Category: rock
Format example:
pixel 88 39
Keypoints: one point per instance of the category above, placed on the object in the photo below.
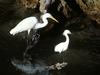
pixel 91 8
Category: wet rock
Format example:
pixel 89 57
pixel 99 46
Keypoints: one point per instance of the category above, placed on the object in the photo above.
pixel 91 8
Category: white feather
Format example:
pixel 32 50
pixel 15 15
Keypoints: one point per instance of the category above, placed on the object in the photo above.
pixel 63 46
pixel 24 25
pixel 31 23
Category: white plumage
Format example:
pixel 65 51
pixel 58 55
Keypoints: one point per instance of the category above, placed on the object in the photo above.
pixel 31 23
pixel 63 45
pixel 24 25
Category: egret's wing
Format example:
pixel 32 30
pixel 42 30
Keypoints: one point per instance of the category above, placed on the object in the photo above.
pixel 27 23
pixel 59 47
pixel 24 25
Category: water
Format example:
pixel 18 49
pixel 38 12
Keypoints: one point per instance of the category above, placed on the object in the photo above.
pixel 83 55
pixel 29 68
pixel 36 68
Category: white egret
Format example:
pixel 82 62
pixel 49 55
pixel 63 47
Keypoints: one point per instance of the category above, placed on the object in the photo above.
pixel 63 45
pixel 31 23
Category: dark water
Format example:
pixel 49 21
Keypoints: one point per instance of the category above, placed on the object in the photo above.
pixel 83 55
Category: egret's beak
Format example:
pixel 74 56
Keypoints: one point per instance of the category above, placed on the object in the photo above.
pixel 54 19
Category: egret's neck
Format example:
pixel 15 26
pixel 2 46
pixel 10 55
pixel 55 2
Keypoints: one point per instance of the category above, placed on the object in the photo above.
pixel 41 25
pixel 67 38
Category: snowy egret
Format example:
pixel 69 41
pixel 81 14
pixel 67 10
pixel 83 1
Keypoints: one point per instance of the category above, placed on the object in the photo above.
pixel 31 23
pixel 63 45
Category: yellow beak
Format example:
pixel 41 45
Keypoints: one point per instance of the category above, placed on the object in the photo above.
pixel 54 19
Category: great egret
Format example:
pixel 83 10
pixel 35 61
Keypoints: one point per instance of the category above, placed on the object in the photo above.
pixel 63 45
pixel 31 23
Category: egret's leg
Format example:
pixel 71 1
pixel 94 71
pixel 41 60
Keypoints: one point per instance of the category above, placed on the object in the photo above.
pixel 27 47
pixel 28 42
pixel 61 55
pixel 31 41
